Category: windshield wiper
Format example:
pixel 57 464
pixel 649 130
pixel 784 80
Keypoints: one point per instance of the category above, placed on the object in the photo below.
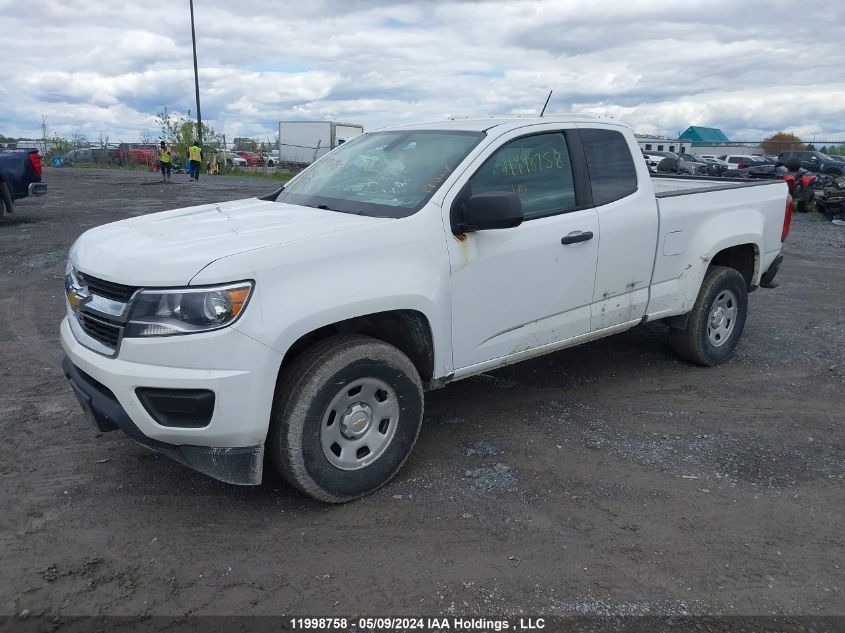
pixel 326 207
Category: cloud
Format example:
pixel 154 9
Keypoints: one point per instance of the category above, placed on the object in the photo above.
pixel 99 66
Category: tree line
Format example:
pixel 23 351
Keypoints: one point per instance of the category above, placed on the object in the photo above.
pixel 783 141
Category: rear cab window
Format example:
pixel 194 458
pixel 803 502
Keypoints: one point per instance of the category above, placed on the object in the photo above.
pixel 611 167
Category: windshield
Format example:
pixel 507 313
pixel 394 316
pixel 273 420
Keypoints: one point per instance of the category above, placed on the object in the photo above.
pixel 382 174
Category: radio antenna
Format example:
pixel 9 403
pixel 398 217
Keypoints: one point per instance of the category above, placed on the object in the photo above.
pixel 545 104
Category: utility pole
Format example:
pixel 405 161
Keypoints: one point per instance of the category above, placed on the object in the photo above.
pixel 196 76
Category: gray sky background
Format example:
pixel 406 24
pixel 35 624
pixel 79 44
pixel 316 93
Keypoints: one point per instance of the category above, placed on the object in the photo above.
pixel 750 68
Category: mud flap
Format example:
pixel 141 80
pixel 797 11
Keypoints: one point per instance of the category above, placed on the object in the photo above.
pixel 768 278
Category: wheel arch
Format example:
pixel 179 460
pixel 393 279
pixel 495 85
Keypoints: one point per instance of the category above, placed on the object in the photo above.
pixel 408 330
pixel 744 258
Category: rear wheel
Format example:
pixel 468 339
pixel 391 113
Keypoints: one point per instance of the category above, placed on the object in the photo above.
pixel 346 416
pixel 716 320
pixel 5 199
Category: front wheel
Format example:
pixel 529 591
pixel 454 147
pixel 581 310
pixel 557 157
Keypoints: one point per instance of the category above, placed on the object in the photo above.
pixel 346 416
pixel 716 320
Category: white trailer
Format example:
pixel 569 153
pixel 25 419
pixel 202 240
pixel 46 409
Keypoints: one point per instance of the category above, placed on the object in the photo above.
pixel 306 141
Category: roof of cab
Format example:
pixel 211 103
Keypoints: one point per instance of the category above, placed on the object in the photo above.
pixel 483 124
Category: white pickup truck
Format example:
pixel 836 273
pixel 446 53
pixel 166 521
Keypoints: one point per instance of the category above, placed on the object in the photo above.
pixel 307 324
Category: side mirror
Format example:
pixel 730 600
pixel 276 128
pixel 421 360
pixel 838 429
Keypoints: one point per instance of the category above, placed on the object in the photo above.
pixel 489 210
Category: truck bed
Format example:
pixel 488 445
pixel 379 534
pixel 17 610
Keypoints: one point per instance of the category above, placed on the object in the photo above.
pixel 668 186
pixel 749 211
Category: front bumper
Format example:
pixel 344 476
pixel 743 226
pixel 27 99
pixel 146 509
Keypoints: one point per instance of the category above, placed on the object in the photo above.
pixel 237 370
pixel 241 466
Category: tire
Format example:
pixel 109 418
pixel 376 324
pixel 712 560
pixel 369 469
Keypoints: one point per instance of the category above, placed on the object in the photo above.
pixel 309 438
pixel 698 343
pixel 5 199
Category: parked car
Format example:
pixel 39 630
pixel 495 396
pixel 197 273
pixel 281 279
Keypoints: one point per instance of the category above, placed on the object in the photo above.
pixel 712 160
pixel 837 158
pixel 271 159
pixel 653 160
pixel 712 166
pixel 687 164
pixel 814 161
pixel 740 161
pixel 253 159
pixel 20 176
pixel 764 170
pixel 81 155
pixel 664 154
pixel 306 324
pixel 230 159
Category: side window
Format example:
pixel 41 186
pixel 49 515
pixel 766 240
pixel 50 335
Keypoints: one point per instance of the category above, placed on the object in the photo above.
pixel 612 172
pixel 535 168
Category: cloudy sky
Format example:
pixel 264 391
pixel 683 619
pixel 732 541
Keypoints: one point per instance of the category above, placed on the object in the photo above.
pixel 750 68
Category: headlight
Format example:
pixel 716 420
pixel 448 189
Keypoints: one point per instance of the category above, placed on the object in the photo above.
pixel 187 310
pixel 71 286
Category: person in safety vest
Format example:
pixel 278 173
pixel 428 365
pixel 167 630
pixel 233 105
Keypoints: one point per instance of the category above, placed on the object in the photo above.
pixel 195 156
pixel 164 151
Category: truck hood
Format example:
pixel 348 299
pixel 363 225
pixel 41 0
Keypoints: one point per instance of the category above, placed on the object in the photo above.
pixel 170 248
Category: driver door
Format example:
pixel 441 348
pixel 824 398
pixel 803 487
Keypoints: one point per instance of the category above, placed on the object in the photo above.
pixel 519 289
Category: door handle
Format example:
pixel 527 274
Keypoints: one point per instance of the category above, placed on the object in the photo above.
pixel 574 238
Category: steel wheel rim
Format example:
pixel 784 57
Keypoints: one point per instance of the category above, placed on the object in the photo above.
pixel 722 318
pixel 359 423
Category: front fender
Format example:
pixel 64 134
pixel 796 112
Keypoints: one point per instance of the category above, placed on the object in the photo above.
pixel 304 285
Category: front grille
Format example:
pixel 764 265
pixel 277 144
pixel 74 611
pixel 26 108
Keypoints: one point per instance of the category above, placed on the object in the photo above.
pixel 107 289
pixel 99 329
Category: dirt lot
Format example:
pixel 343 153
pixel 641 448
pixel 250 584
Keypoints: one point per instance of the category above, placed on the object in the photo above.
pixel 607 479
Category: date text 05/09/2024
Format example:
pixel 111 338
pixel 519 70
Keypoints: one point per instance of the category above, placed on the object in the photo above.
pixel 477 624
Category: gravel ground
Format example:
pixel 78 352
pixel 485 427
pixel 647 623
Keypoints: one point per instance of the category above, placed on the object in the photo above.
pixel 611 479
